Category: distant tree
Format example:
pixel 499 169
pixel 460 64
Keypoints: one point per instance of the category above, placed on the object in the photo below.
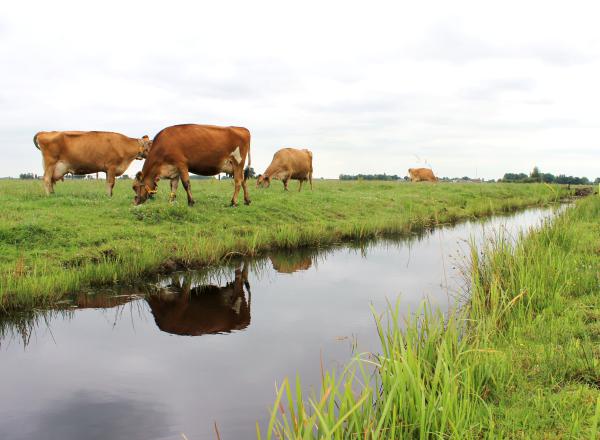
pixel 28 176
pixel 383 176
pixel 514 177
pixel 535 174
pixel 547 177
pixel 124 177
pixel 597 181
pixel 251 173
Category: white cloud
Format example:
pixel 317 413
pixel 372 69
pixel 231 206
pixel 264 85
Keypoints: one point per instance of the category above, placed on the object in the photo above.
pixel 464 85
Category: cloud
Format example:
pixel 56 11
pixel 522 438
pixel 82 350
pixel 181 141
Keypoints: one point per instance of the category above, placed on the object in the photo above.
pixel 356 85
pixel 448 44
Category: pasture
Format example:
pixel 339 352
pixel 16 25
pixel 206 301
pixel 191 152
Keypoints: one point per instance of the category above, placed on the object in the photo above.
pixel 79 237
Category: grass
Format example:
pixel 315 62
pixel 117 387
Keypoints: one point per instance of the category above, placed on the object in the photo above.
pixel 79 237
pixel 520 360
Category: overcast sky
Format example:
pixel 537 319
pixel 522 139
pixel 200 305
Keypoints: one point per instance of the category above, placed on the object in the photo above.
pixel 464 87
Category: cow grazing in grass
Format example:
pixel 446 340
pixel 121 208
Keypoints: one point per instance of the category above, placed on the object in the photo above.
pixel 203 309
pixel 206 150
pixel 288 163
pixel 421 175
pixel 86 152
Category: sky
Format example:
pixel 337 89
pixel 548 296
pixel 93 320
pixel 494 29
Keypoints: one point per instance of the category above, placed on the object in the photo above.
pixel 469 88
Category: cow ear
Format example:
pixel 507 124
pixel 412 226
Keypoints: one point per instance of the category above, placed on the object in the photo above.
pixel 138 176
pixel 145 137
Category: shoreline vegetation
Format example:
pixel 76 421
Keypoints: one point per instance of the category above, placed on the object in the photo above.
pixel 78 237
pixel 520 360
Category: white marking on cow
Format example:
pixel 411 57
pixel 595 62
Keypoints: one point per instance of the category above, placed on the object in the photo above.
pixel 236 155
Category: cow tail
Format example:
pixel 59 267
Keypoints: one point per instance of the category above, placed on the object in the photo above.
pixel 35 142
pixel 247 170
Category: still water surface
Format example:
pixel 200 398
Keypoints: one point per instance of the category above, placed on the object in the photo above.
pixel 209 346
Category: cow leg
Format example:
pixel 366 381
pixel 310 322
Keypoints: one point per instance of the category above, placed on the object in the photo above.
pixel 110 182
pixel 174 185
pixel 300 187
pixel 238 178
pixel 285 183
pixel 49 180
pixel 246 195
pixel 185 179
pixel 310 179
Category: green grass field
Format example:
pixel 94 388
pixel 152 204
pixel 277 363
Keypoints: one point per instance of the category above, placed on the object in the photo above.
pixel 78 236
pixel 520 361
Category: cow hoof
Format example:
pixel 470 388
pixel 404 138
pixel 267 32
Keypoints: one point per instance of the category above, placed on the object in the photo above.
pixel 191 203
pixel 247 202
pixel 233 205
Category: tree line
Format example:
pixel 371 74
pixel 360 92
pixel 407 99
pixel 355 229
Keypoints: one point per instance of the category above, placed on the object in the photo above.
pixel 537 176
pixel 370 177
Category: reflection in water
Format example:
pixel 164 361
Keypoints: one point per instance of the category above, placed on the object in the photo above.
pixel 101 300
pixel 184 309
pixel 96 418
pixel 292 261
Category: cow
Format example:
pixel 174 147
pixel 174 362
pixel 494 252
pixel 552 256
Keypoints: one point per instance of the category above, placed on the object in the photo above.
pixel 86 152
pixel 288 163
pixel 203 309
pixel 201 149
pixel 421 175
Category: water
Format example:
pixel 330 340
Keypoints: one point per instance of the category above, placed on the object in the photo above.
pixel 209 346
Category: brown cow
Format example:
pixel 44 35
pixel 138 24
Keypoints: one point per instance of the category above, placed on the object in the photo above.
pixel 204 309
pixel 201 149
pixel 288 163
pixel 86 152
pixel 421 175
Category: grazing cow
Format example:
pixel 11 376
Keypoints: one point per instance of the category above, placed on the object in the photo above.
pixel 204 309
pixel 421 175
pixel 288 163
pixel 201 149
pixel 86 152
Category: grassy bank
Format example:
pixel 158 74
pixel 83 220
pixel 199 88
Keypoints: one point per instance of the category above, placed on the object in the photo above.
pixel 522 360
pixel 77 237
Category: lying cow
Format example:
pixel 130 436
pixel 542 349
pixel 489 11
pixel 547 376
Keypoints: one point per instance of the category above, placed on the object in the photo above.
pixel 421 175
pixel 201 149
pixel 86 152
pixel 288 163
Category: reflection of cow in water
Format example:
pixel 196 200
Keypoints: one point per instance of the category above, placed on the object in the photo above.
pixel 100 301
pixel 290 262
pixel 286 265
pixel 204 309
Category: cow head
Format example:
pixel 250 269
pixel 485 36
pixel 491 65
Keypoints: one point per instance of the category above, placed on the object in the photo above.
pixel 263 181
pixel 142 190
pixel 144 144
